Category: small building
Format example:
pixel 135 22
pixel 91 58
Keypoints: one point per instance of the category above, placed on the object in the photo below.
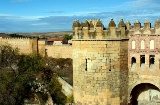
pixel 3 35
pixel 56 41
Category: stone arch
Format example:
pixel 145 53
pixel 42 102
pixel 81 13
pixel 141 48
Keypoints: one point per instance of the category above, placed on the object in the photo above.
pixel 143 93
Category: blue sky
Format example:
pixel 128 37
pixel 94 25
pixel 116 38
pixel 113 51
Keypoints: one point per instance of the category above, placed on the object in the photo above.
pixel 58 15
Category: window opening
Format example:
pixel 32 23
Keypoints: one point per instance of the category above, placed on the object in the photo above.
pixel 133 63
pixel 152 44
pixel 110 65
pixel 86 65
pixel 151 60
pixel 142 58
pixel 142 44
pixel 133 44
pixel 133 60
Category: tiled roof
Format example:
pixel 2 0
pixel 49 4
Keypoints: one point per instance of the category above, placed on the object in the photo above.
pixel 3 35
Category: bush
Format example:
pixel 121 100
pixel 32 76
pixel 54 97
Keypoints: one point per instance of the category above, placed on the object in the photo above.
pixel 16 81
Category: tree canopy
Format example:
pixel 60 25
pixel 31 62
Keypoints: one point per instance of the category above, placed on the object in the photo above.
pixel 20 74
pixel 67 36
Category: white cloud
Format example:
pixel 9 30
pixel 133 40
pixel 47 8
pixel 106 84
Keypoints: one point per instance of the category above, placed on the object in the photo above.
pixel 139 3
pixel 143 4
pixel 40 24
pixel 30 17
pixel 6 15
pixel 139 10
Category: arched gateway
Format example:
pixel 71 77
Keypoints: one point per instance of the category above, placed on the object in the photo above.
pixel 145 94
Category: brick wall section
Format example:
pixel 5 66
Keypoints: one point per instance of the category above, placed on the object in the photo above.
pixel 138 75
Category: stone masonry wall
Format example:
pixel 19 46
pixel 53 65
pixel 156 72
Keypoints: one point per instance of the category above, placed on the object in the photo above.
pixel 59 51
pixel 41 47
pixel 100 72
pixel 25 45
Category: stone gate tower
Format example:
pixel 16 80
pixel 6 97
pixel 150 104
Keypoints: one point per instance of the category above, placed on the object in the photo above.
pixel 100 63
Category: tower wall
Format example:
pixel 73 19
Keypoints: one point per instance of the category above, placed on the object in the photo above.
pixel 100 69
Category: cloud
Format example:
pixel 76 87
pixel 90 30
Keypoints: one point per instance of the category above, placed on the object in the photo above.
pixel 64 23
pixel 39 24
pixel 55 12
pixel 143 4
pixel 139 3
pixel 132 11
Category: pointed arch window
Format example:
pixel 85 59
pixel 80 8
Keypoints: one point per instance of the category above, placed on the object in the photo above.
pixel 133 44
pixel 142 44
pixel 152 44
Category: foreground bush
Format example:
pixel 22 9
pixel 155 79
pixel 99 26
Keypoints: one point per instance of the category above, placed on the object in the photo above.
pixel 19 75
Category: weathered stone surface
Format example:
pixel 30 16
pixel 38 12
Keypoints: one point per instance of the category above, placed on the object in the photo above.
pixel 111 70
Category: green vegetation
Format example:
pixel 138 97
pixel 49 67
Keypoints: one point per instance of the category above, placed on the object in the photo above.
pixel 70 99
pixel 17 35
pixel 22 36
pixel 67 36
pixel 63 67
pixel 23 75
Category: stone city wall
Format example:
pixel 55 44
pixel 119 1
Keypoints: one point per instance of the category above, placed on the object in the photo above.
pixel 25 45
pixel 59 51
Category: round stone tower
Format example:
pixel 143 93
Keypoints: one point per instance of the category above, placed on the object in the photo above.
pixel 100 63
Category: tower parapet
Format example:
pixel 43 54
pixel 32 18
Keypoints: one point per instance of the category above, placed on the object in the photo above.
pixel 146 29
pixel 157 26
pixel 94 29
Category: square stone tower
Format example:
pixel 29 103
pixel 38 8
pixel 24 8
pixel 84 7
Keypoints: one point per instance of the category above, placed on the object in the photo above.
pixel 100 63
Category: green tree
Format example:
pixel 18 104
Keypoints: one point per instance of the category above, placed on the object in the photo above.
pixel 13 86
pixel 67 36
pixel 56 93
pixel 17 35
pixel 18 72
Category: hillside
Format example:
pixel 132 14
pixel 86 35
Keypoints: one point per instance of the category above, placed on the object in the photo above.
pixel 46 34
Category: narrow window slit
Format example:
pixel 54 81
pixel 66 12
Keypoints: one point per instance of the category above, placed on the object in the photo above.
pixel 86 65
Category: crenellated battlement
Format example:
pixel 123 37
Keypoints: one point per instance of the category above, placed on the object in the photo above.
pixel 12 38
pixel 94 29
